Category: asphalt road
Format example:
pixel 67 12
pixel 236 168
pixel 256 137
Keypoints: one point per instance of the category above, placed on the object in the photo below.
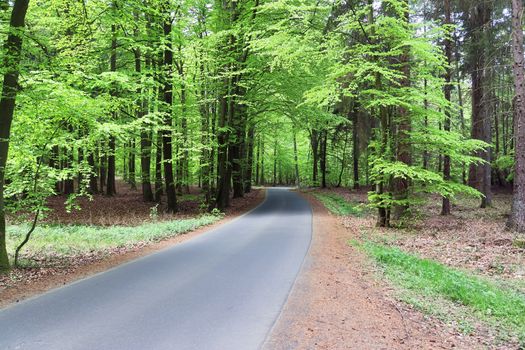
pixel 221 290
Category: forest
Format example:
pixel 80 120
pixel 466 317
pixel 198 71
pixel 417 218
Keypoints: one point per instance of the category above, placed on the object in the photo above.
pixel 126 122
pixel 404 98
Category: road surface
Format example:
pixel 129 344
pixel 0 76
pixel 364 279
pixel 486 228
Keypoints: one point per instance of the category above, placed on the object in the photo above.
pixel 221 290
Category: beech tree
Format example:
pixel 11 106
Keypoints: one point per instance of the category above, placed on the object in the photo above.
pixel 11 66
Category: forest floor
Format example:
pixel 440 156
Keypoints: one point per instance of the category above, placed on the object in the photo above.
pixel 104 233
pixel 358 287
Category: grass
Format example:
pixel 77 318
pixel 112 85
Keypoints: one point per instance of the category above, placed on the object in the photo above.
pixel 53 240
pixel 337 205
pixel 499 306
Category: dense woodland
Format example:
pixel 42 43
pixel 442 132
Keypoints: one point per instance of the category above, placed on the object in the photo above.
pixel 409 98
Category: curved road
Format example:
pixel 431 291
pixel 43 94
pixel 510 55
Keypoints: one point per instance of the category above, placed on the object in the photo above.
pixel 221 290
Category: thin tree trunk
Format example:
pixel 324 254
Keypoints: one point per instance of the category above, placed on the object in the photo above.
pixel 103 166
pixel 159 190
pixel 93 180
pixel 167 149
pixel 517 215
pixel 249 159
pixel 111 188
pixel 257 162
pixel 275 163
pixel 296 161
pixel 314 142
pixel 12 54
pixel 355 147
pixel 445 208
pixel 324 142
pixel 223 168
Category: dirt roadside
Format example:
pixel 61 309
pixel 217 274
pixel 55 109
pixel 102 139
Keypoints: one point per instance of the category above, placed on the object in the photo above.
pixel 56 278
pixel 338 303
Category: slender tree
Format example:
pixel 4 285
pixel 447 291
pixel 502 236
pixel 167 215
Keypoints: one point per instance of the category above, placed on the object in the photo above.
pixel 11 65
pixel 517 215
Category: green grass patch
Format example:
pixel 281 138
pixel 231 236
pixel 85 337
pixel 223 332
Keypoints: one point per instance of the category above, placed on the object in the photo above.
pixel 337 205
pixel 489 302
pixel 187 197
pixel 53 240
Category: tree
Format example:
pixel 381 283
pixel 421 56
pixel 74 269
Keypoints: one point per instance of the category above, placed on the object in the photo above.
pixel 477 23
pixel 517 215
pixel 445 208
pixel 12 56
pixel 167 89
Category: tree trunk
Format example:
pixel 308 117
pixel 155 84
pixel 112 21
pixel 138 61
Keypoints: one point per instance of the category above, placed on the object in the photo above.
pixel 324 142
pixel 69 183
pixel 111 188
pixel 314 142
pixel 249 159
pixel 236 151
pixel 480 174
pixel 222 199
pixel 159 190
pixel 131 160
pixel 205 140
pixel 103 166
pixel 167 149
pixel 145 165
pixel 296 161
pixel 516 220
pixel 12 54
pixel 275 163
pixel 401 185
pixel 93 180
pixel 355 147
pixel 262 179
pixel 445 208
pixel 257 162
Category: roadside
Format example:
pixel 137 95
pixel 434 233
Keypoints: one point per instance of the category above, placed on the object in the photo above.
pixel 338 301
pixel 44 268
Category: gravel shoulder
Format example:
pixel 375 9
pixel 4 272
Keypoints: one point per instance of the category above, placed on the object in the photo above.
pixel 338 302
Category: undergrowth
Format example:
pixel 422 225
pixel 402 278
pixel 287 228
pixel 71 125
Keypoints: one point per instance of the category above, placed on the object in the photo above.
pixel 53 240
pixel 337 205
pixel 503 308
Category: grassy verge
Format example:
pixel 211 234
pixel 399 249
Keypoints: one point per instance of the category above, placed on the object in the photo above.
pixel 337 205
pixel 53 240
pixel 501 307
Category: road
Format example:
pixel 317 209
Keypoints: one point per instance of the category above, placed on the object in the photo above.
pixel 221 290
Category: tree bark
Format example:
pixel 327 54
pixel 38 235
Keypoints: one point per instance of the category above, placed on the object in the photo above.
pixel 159 190
pixel 93 180
pixel 131 161
pixel 480 175
pixel 167 149
pixel 516 220
pixel 250 142
pixel 111 188
pixel 296 161
pixel 13 53
pixel 324 142
pixel 445 207
pixel 404 151
pixel 314 142
pixel 222 199
pixel 355 147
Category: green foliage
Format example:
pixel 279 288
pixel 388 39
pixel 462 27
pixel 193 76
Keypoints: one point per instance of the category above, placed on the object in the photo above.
pixel 492 303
